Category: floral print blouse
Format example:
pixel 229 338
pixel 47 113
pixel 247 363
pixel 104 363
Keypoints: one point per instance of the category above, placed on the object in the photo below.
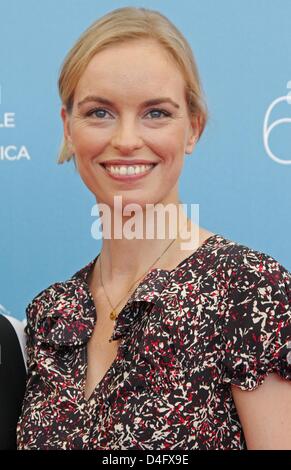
pixel 221 317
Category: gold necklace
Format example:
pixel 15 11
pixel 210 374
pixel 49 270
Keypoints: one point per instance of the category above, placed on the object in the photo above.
pixel 113 315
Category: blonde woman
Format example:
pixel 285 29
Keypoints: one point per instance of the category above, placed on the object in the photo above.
pixel 151 346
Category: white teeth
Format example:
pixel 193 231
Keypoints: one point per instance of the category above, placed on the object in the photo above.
pixel 128 170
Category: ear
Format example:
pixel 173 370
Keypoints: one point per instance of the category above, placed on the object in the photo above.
pixel 193 134
pixel 67 131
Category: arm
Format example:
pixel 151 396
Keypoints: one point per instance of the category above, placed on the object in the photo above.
pixel 265 414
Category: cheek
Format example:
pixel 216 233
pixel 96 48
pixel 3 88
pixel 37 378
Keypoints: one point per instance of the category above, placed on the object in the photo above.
pixel 169 146
pixel 88 141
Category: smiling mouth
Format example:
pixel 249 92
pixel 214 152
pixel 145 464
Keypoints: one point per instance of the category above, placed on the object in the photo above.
pixel 128 171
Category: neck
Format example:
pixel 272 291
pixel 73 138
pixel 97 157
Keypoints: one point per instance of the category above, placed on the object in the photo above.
pixel 124 259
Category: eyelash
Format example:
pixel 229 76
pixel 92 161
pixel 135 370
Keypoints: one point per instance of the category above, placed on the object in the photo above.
pixel 166 113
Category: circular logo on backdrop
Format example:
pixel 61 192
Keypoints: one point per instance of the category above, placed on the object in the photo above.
pixel 267 128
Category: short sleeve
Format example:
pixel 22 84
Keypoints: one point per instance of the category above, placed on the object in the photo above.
pixel 35 310
pixel 257 322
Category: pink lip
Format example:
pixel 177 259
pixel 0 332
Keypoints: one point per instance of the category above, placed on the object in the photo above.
pixel 127 177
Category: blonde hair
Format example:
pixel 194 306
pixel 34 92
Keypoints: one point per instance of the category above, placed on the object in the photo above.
pixel 122 25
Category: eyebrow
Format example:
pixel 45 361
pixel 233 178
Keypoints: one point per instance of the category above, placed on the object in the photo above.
pixel 151 102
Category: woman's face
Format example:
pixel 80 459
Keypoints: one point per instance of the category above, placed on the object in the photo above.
pixel 119 124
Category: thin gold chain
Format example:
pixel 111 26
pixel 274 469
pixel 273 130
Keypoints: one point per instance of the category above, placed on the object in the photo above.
pixel 113 315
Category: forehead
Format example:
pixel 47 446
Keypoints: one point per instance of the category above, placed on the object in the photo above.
pixel 136 67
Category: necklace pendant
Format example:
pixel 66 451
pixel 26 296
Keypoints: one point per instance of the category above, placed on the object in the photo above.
pixel 113 315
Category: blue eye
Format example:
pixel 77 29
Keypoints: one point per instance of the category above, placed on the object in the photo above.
pixel 95 111
pixel 163 111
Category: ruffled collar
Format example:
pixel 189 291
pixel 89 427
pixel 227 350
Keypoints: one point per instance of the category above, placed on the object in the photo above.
pixel 66 314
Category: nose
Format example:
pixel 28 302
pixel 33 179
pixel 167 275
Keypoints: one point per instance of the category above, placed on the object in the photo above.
pixel 126 138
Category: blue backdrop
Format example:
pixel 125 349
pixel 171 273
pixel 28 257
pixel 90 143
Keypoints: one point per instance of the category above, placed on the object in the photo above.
pixel 239 173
